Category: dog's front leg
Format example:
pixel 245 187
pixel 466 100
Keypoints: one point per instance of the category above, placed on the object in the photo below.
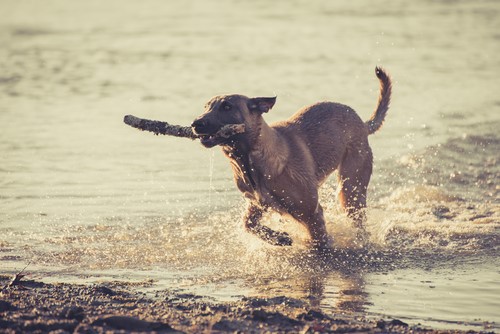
pixel 252 224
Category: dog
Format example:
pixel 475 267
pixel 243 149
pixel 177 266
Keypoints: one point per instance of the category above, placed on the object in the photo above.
pixel 281 166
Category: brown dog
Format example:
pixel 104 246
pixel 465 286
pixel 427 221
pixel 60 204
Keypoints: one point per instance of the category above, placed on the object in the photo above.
pixel 281 166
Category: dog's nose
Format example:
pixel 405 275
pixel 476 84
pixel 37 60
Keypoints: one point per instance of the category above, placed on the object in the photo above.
pixel 199 126
pixel 199 123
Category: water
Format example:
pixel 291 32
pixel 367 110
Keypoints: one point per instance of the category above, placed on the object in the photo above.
pixel 84 197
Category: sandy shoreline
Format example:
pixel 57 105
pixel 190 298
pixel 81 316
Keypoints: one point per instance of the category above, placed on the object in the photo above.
pixel 124 307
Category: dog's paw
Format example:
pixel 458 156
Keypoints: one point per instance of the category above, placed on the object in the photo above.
pixel 282 239
pixel 362 238
pixel 273 237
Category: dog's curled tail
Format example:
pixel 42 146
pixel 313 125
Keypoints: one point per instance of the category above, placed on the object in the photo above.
pixel 384 99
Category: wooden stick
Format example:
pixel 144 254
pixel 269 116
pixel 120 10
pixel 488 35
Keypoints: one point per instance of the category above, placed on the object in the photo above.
pixel 164 128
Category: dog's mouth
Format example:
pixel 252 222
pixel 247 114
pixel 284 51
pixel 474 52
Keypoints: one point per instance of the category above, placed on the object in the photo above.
pixel 224 135
pixel 211 140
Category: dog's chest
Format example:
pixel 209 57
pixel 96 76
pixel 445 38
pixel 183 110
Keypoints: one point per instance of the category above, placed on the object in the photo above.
pixel 267 164
pixel 258 185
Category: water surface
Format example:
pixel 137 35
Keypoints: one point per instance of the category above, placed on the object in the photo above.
pixel 84 197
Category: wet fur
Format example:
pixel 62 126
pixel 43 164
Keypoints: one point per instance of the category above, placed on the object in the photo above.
pixel 282 165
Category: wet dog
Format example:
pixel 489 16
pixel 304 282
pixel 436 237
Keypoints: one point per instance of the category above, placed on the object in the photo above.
pixel 282 165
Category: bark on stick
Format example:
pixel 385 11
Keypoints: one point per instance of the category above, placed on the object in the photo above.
pixel 164 128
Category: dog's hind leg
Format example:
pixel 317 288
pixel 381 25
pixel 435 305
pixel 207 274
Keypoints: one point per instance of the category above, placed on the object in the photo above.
pixel 252 224
pixel 354 176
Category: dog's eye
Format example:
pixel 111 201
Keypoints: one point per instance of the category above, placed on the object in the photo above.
pixel 226 106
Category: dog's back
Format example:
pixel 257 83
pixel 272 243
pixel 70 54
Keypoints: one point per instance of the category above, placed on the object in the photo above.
pixel 330 130
pixel 327 129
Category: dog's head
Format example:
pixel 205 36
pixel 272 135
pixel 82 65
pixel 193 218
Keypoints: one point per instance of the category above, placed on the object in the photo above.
pixel 231 109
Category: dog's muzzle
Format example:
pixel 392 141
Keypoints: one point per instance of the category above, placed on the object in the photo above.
pixel 207 133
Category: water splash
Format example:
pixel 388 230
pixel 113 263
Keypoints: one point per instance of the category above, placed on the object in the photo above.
pixel 211 175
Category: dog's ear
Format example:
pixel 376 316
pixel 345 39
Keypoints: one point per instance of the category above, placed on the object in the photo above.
pixel 261 104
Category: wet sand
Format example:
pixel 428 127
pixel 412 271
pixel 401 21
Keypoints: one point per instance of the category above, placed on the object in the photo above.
pixel 37 307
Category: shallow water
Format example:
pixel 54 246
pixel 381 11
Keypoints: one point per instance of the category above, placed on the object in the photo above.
pixel 84 197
